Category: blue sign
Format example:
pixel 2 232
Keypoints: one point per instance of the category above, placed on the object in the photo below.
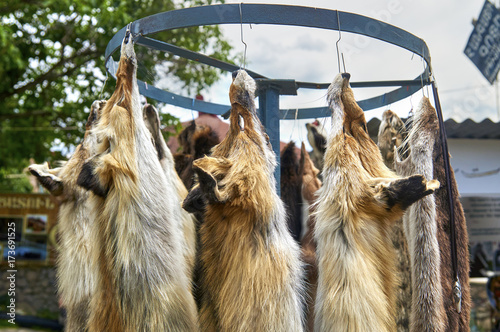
pixel 483 47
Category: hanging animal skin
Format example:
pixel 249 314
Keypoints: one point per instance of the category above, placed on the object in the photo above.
pixel 426 154
pixel 317 138
pixel 152 121
pixel 144 280
pixel 357 205
pixel 252 274
pixel 310 187
pixel 390 136
pixel 291 186
pixel 76 273
pixel 421 231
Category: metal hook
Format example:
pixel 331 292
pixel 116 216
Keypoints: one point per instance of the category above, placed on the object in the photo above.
pixel 422 75
pixel 337 44
pixel 241 31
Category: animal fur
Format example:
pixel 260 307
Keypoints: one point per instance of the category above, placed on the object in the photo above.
pixel 390 136
pixel 143 280
pixel 76 277
pixel 188 221
pixel 357 205
pixel 310 185
pixel 317 138
pixel 252 274
pixel 291 187
pixel 421 231
pixel 426 152
pixel 196 142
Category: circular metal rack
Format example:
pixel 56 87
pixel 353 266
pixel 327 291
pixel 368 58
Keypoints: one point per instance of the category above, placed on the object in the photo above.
pixel 269 89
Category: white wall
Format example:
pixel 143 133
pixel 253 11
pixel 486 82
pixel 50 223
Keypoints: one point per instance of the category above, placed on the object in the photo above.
pixel 480 157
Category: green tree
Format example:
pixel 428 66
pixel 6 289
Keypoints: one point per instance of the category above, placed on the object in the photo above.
pixel 52 69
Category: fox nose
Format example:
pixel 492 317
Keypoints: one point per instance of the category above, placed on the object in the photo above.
pixel 346 75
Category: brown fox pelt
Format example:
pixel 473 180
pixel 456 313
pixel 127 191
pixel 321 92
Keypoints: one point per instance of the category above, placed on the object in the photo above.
pixel 357 205
pixel 143 282
pixel 317 138
pixel 252 273
pixel 291 187
pixel 188 221
pixel 434 263
pixel 76 276
pixel 310 186
pixel 196 142
pixel 390 135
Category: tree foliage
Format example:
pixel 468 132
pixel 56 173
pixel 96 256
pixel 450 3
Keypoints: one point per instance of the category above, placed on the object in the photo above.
pixel 52 68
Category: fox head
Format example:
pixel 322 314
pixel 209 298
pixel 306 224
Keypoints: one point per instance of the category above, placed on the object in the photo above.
pixel 240 169
pixel 61 181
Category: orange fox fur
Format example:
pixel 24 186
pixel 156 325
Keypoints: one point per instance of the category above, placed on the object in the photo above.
pixel 251 267
pixel 357 205
pixel 143 280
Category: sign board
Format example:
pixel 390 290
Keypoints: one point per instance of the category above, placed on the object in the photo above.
pixel 27 224
pixel 483 47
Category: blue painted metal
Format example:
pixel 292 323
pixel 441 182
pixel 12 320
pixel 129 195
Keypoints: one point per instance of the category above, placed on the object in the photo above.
pixel 270 89
pixel 271 14
pixel 195 56
pixel 269 95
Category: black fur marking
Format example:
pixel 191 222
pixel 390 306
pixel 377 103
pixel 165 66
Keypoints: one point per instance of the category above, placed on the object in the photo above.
pixel 343 236
pixel 53 186
pixel 88 180
pixel 406 191
pixel 319 140
pixel 194 201
pixel 208 184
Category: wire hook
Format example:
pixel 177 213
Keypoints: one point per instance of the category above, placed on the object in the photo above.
pixel 337 44
pixel 242 40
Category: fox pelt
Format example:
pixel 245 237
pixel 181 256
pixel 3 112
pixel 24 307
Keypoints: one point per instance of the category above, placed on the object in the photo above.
pixel 252 273
pixel 317 139
pixel 143 282
pixel 291 187
pixel 391 134
pixel 359 201
pixel 310 186
pixel 431 261
pixel 76 275
pixel 195 142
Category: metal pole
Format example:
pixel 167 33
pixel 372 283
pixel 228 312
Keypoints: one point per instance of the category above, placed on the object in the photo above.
pixel 269 108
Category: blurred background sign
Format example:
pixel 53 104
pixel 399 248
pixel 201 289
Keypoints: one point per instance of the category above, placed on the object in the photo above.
pixel 483 47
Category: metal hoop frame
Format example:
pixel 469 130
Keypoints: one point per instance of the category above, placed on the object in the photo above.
pixel 273 15
pixel 269 90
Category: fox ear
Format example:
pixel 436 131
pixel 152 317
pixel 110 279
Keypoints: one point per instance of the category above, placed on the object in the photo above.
pixel 48 178
pixel 403 192
pixel 211 171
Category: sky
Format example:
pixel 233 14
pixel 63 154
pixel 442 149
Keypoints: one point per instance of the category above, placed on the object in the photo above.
pixel 308 54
